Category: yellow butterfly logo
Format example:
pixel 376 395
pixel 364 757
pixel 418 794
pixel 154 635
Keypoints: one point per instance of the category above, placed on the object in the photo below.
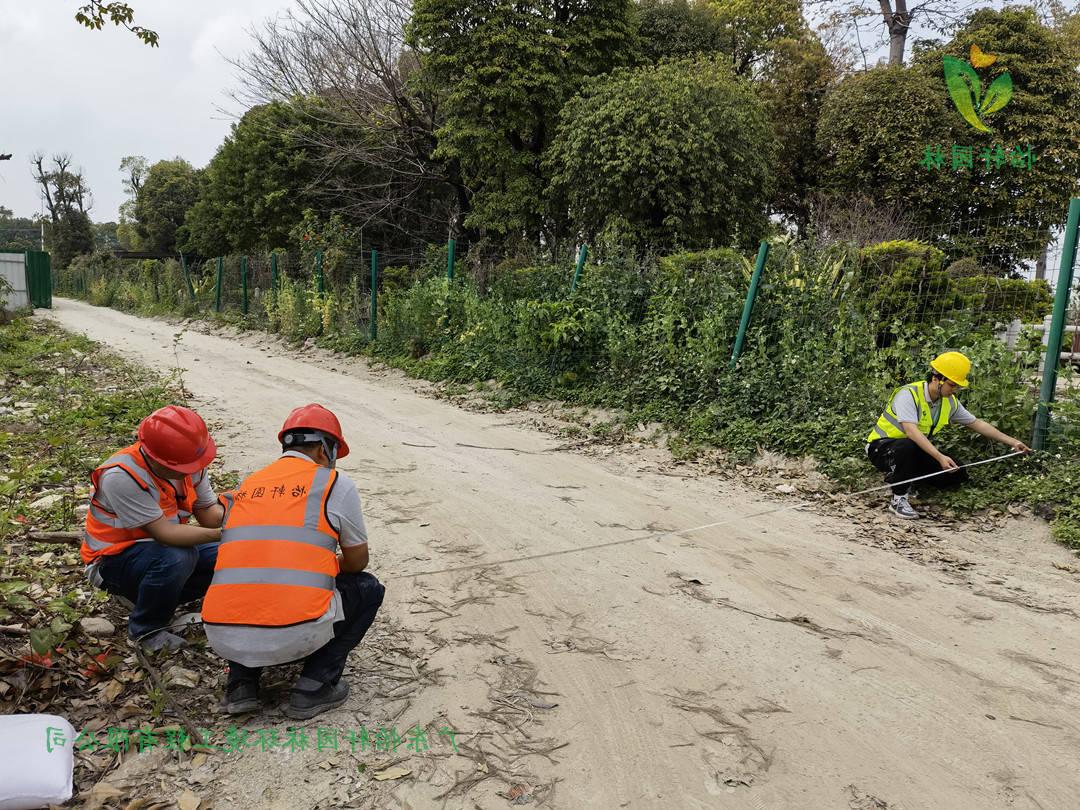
pixel 980 59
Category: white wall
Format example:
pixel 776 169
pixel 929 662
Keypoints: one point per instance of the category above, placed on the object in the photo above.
pixel 13 270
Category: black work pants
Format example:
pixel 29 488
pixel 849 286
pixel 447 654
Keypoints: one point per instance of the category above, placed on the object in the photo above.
pixel 361 597
pixel 902 459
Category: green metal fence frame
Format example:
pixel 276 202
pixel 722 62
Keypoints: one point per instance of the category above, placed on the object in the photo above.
pixel 748 304
pixel 1052 360
pixel 374 330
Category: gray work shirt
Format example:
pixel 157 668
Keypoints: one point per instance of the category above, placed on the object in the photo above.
pixel 133 506
pixel 906 410
pixel 266 646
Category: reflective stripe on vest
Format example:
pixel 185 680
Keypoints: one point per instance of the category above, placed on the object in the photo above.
pixel 273 576
pixel 278 555
pixel 103 533
pixel 889 427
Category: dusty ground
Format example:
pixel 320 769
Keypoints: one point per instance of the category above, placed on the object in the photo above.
pixel 794 660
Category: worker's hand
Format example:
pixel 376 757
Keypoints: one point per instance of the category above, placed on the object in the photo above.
pixel 1019 446
pixel 947 463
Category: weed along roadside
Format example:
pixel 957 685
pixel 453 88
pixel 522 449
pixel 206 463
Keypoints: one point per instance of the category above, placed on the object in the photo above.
pixel 833 330
pixel 64 401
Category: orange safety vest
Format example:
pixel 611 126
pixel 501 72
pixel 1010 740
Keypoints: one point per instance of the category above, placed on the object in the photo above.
pixel 278 555
pixel 102 535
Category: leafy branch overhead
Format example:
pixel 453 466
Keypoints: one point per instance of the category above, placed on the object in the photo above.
pixel 95 14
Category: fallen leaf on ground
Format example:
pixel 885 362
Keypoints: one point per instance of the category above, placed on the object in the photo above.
pixel 178 676
pixel 188 801
pixel 391 773
pixel 520 794
pixel 102 792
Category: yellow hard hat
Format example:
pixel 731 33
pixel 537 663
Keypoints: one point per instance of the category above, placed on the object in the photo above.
pixel 953 366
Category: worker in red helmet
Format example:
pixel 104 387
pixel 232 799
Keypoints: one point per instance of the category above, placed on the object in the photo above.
pixel 138 542
pixel 281 592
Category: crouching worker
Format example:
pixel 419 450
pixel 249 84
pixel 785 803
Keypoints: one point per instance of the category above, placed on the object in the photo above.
pixel 137 542
pixel 900 443
pixel 280 591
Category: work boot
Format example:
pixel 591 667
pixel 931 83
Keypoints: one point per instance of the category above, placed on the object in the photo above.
pixel 900 507
pixel 305 705
pixel 241 697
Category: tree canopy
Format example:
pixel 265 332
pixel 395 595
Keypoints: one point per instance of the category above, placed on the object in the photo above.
pixel 998 192
pixel 507 70
pixel 169 190
pixel 680 153
pixel 257 185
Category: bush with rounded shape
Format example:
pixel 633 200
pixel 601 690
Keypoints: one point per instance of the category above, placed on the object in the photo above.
pixel 680 151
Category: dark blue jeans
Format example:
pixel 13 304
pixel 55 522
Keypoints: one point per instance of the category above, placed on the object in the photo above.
pixel 361 596
pixel 157 578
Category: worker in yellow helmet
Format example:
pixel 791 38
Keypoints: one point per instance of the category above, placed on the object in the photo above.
pixel 900 443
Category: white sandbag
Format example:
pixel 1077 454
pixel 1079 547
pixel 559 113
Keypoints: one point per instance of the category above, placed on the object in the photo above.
pixel 36 760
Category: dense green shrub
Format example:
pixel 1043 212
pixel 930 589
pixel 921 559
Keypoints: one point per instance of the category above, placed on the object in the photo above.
pixel 832 332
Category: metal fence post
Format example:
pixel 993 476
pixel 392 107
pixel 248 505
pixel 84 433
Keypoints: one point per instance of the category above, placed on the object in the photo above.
pixel 319 273
pixel 273 273
pixel 580 264
pixel 243 285
pixel 374 294
pixel 1057 327
pixel 748 305
pixel 450 259
pixel 217 293
pixel 187 278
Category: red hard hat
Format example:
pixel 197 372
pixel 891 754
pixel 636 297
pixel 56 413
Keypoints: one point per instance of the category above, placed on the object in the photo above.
pixel 315 417
pixel 177 438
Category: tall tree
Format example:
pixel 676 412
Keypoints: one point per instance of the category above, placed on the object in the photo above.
pixel 259 183
pixel 68 201
pixel 351 54
pixel 880 132
pixel 508 68
pixel 751 29
pixel 799 74
pixel 133 169
pixel 168 192
pixel 677 29
pixel 679 154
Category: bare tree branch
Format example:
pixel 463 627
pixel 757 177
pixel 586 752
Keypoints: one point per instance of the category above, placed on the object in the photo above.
pixel 353 58
pixel 896 19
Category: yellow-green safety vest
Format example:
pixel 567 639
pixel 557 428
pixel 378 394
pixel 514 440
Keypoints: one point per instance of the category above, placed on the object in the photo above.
pixel 889 427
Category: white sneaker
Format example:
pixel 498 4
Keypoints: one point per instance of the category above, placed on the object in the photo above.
pixel 900 507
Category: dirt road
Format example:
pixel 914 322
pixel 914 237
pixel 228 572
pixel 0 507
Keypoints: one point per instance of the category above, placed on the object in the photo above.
pixel 765 663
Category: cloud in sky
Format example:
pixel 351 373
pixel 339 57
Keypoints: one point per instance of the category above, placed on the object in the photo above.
pixel 101 95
